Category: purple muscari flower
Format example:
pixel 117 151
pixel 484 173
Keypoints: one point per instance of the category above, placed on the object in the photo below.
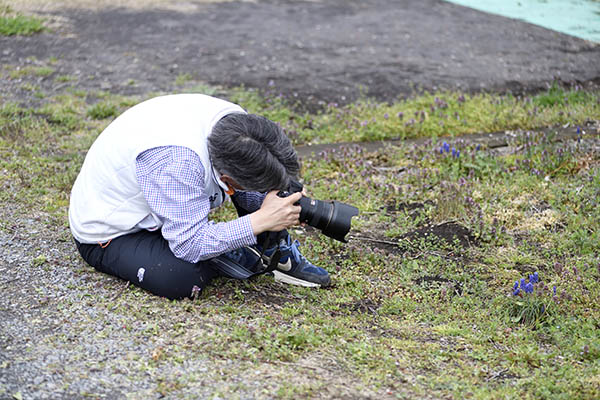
pixel 578 130
pixel 522 283
pixel 478 147
pixel 529 288
pixel 516 289
pixel 534 278
pixel 400 115
pixel 446 147
pixel 554 290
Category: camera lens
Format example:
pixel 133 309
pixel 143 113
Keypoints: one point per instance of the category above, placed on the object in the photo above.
pixel 332 218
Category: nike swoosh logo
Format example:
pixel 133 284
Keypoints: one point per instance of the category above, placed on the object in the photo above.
pixel 286 266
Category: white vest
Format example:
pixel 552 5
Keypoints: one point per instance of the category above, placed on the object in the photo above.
pixel 106 199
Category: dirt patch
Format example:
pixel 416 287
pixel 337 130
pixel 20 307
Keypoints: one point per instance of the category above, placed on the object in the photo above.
pixel 450 232
pixel 310 51
pixel 445 234
pixel 95 5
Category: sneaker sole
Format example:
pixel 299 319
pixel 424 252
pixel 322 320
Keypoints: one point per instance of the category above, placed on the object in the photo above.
pixel 281 277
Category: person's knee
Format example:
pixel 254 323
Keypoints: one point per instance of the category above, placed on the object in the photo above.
pixel 176 282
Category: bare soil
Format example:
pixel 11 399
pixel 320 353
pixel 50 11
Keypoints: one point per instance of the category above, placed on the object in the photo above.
pixel 310 51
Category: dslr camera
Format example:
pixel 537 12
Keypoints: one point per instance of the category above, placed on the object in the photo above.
pixel 332 218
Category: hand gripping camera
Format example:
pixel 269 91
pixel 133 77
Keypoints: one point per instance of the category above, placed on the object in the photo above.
pixel 332 218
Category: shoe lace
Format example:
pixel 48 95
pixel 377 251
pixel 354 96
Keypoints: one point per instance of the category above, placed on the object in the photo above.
pixel 293 249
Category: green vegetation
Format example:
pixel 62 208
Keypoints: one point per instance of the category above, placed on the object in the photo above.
pixel 16 24
pixel 428 115
pixel 64 78
pixel 39 71
pixel 102 111
pixel 182 79
pixel 423 300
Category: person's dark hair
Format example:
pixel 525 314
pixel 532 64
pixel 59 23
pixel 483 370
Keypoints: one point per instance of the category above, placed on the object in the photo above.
pixel 254 151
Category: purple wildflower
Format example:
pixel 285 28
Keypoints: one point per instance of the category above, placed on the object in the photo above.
pixel 386 116
pixel 554 290
pixel 516 289
pixel 534 278
pixel 400 115
pixel 529 288
pixel 446 147
pixel 195 292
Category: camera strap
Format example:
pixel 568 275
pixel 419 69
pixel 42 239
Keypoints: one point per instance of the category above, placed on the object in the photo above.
pixel 235 270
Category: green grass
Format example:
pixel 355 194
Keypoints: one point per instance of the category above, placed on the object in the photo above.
pixel 441 114
pixel 15 24
pixel 408 316
pixel 102 111
pixel 37 71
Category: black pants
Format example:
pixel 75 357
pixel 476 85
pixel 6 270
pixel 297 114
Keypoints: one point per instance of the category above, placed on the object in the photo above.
pixel 145 259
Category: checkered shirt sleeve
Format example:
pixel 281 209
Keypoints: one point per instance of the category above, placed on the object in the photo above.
pixel 172 181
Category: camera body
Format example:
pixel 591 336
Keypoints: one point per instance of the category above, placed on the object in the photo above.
pixel 332 218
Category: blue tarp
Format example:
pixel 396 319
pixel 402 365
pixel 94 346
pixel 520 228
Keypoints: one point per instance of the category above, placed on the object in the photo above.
pixel 579 18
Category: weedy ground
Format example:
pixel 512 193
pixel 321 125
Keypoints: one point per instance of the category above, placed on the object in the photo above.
pixel 422 303
pixel 14 23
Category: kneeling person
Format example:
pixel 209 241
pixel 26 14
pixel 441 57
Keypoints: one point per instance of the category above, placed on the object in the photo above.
pixel 139 206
